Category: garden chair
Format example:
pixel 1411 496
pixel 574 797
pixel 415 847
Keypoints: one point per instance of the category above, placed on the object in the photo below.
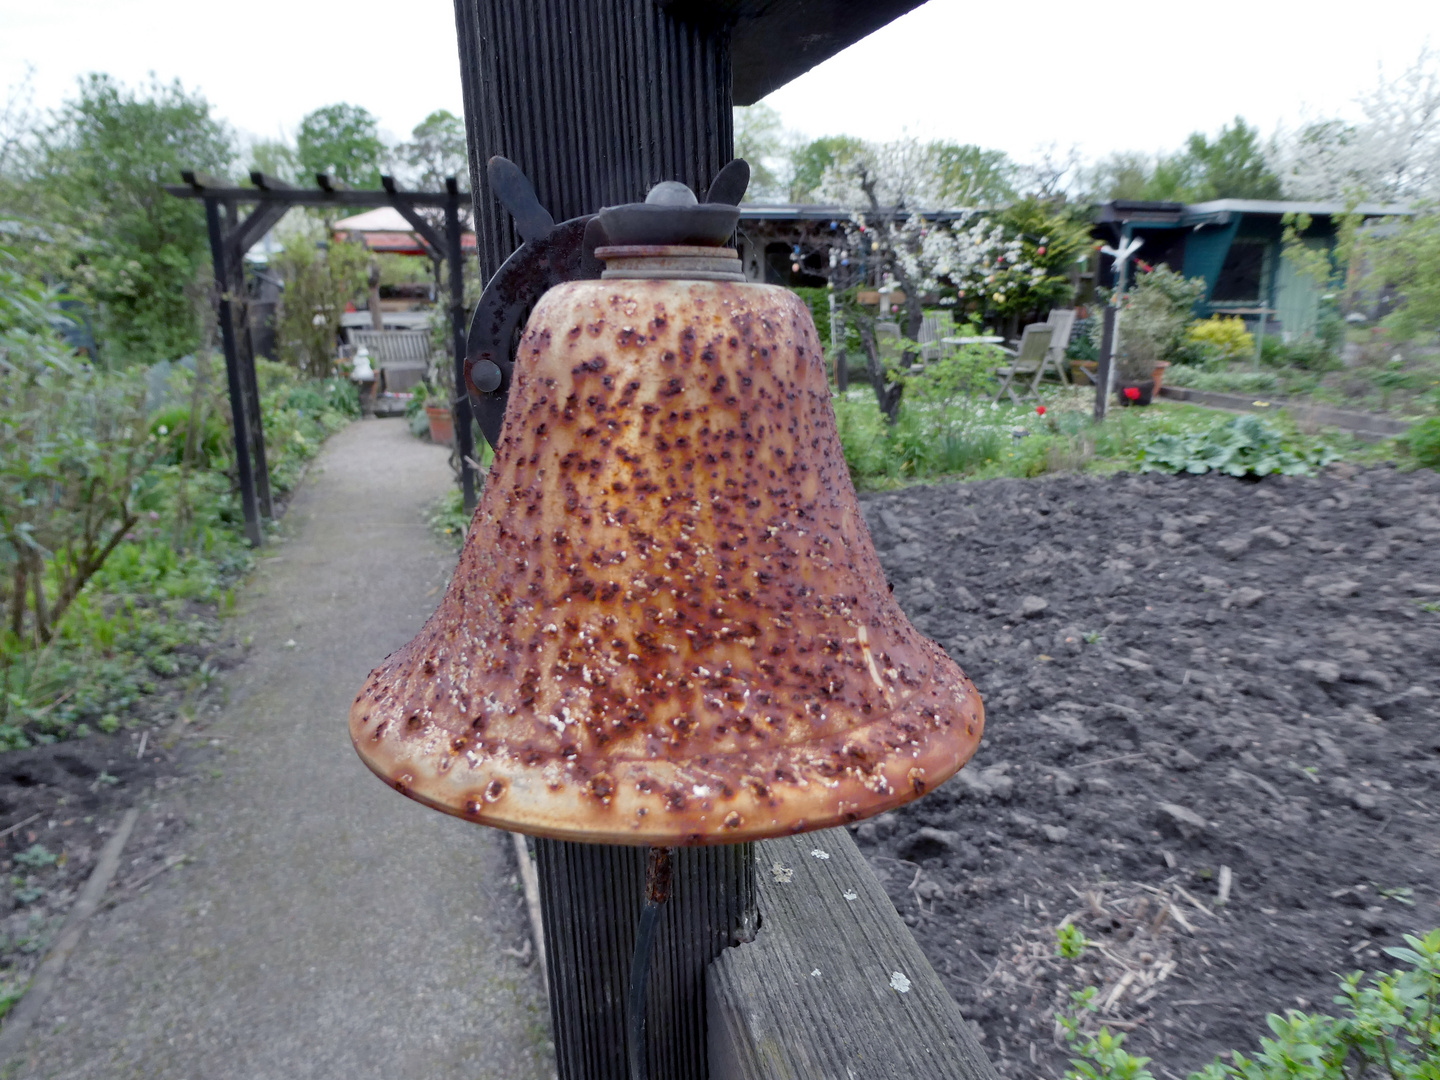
pixel 935 326
pixel 889 343
pixel 1027 365
pixel 1063 320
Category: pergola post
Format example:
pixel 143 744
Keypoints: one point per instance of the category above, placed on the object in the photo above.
pixel 233 375
pixel 245 357
pixel 596 101
pixel 460 404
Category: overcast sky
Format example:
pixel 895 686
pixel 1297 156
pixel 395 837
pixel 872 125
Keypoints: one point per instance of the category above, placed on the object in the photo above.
pixel 1014 76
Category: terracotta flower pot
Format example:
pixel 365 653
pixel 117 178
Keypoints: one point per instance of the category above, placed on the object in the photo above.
pixel 1159 375
pixel 442 424
pixel 1136 393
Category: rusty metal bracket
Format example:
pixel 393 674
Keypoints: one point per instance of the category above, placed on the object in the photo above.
pixel 551 254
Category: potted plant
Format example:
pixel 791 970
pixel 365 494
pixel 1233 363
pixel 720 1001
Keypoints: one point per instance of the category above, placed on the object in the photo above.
pixel 442 421
pixel 1153 318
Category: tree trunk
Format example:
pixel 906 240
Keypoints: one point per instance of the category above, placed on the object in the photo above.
pixel 887 393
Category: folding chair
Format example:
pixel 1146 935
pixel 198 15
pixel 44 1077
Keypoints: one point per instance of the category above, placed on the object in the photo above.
pixel 1063 320
pixel 935 326
pixel 1029 363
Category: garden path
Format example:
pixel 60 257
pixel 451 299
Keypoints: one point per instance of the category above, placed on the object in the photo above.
pixel 327 927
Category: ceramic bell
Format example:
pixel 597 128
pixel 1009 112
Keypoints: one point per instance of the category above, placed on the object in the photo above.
pixel 668 625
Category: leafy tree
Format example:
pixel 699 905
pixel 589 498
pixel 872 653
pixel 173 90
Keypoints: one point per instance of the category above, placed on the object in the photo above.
pixel 342 141
pixel 1231 167
pixel 1408 261
pixel 809 163
pixel 970 176
pixel 760 140
pixel 94 177
pixel 437 150
pixel 1122 175
pixel 320 279
pixel 279 159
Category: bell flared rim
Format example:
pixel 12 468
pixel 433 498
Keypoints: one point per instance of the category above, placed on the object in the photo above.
pixel 721 799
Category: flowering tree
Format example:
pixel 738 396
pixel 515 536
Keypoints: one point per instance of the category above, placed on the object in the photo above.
pixel 991 264
pixel 1391 154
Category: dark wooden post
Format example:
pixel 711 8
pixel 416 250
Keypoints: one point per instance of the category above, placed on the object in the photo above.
pixel 245 358
pixel 1107 362
pixel 233 375
pixel 596 101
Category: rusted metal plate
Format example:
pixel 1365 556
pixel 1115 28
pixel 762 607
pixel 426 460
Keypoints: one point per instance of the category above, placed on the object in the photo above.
pixel 668 624
pixel 537 266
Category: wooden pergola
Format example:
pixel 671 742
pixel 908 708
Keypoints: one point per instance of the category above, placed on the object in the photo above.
pixel 231 236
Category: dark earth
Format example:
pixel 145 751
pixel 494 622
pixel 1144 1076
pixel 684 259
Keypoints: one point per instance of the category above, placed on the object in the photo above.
pixel 1195 686
pixel 59 803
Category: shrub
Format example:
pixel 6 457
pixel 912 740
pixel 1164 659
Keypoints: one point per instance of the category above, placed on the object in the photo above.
pixel 1221 338
pixel 1423 442
pixel 1153 319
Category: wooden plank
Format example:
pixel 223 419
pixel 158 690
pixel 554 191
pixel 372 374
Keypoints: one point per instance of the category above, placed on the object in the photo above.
pixel 833 986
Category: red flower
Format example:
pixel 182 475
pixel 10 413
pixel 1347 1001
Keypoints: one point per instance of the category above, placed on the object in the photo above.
pixel 1039 410
pixel 1040 250
pixel 1132 392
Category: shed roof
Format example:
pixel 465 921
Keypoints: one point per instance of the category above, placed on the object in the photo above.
pixel 775 41
pixel 1280 206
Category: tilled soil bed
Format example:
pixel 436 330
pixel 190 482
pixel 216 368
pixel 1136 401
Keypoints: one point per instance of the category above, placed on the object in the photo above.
pixel 1197 688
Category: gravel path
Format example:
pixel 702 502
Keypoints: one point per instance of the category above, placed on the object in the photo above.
pixel 324 927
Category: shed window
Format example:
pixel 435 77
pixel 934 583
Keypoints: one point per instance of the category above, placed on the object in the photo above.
pixel 1243 274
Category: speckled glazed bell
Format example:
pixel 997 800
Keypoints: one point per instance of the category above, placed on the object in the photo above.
pixel 668 625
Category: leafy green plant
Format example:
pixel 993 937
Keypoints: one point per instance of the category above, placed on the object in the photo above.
pixel 1423 442
pixel 1391 1027
pixel 1101 1055
pixel 1071 942
pixel 36 857
pixel 1153 319
pixel 321 278
pixel 1244 445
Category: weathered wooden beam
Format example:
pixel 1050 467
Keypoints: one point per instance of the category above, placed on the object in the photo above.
pixel 201 189
pixel 833 986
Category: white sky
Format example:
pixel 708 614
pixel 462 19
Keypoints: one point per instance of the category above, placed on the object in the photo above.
pixel 1014 76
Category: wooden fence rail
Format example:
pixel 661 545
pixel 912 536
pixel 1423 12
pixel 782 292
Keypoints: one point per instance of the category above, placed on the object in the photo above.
pixel 833 987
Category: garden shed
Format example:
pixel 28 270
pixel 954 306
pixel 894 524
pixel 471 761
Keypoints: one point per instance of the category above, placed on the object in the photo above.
pixel 1237 246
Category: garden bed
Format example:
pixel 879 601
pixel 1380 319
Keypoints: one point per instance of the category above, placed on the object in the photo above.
pixel 1190 681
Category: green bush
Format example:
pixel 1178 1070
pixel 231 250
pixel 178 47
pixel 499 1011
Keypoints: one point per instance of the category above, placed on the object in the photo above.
pixel 1241 446
pixel 1390 1028
pixel 1307 354
pixel 1423 442
pixel 1224 338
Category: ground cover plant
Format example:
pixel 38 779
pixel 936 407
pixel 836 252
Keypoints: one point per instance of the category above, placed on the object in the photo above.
pixel 120 538
pixel 1210 781
pixel 941 435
